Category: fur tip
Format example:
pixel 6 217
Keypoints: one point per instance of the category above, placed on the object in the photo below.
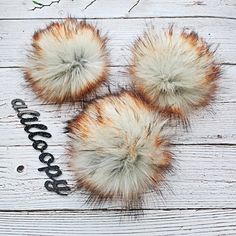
pixel 67 61
pixel 174 71
pixel 119 149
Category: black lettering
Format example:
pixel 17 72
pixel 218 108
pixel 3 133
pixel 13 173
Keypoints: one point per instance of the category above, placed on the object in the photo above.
pixel 51 171
pixel 40 145
pixel 43 156
pixel 39 133
pixel 18 104
pixel 58 186
pixel 28 112
pixel 23 120
pixel 36 126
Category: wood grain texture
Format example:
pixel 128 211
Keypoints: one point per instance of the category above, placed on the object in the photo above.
pixel 157 222
pixel 217 124
pixel 111 9
pixel 15 36
pixel 207 128
pixel 198 198
pixel 204 177
pixel 13 83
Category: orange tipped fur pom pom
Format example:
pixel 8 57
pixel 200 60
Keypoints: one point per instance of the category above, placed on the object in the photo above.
pixel 119 149
pixel 174 71
pixel 67 61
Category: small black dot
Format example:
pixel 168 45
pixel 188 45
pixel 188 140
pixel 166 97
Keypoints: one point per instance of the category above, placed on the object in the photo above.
pixel 20 169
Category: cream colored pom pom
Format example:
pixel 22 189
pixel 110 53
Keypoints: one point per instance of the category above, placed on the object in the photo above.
pixel 119 149
pixel 67 61
pixel 174 71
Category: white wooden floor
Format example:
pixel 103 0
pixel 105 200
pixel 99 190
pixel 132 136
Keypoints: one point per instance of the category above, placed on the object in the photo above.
pixel 202 200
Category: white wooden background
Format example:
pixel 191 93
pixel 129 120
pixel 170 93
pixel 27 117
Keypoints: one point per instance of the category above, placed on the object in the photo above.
pixel 202 200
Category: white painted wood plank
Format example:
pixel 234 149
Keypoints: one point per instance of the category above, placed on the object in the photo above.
pixel 13 83
pixel 204 178
pixel 158 222
pixel 207 127
pixel 205 175
pixel 112 8
pixel 15 36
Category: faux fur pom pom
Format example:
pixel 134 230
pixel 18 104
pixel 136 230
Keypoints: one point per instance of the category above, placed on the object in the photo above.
pixel 67 61
pixel 119 149
pixel 174 71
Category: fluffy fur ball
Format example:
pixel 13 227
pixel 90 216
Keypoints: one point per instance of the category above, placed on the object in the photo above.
pixel 119 148
pixel 67 61
pixel 174 71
